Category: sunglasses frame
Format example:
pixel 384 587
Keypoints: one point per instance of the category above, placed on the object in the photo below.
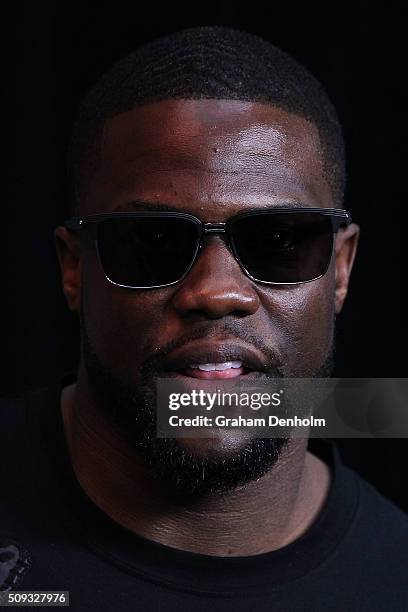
pixel 338 217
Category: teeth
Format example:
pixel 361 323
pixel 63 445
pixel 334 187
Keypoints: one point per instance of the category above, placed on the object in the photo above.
pixel 210 367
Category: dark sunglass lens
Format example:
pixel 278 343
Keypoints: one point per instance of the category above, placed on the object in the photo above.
pixel 284 247
pixel 146 251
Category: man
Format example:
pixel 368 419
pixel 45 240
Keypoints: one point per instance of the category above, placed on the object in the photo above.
pixel 211 123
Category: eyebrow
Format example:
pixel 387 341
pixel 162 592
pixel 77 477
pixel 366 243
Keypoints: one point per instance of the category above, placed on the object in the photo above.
pixel 140 205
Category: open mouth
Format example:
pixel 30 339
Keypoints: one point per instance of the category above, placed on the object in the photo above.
pixel 208 371
pixel 211 360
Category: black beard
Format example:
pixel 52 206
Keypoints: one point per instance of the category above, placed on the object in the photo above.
pixel 131 411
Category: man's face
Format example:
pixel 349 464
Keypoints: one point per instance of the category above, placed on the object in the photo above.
pixel 213 159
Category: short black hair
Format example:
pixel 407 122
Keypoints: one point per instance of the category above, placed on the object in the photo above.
pixel 207 62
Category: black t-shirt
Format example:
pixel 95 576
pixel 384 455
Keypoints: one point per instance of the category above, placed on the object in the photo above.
pixel 52 537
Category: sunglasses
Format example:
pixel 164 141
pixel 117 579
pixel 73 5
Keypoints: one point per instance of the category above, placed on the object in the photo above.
pixel 279 246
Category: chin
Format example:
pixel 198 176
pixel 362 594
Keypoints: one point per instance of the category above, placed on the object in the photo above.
pixel 201 466
pixel 220 446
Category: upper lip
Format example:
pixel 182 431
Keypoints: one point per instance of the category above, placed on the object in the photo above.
pixel 215 352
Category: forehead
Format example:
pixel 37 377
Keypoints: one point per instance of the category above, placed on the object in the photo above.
pixel 214 153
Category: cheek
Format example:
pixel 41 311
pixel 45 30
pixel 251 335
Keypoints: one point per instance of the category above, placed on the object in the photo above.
pixel 121 324
pixel 305 318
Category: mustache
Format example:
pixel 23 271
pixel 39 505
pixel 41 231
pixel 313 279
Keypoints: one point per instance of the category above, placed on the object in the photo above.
pixel 205 331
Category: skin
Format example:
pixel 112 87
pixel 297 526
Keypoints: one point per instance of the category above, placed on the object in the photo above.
pixel 211 158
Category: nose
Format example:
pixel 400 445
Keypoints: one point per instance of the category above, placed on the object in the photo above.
pixel 216 286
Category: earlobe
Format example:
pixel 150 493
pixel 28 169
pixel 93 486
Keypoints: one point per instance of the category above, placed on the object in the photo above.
pixel 345 252
pixel 69 258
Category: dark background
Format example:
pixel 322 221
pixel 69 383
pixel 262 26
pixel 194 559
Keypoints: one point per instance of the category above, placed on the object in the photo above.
pixel 355 49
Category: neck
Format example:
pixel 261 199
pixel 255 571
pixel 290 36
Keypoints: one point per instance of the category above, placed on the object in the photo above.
pixel 259 517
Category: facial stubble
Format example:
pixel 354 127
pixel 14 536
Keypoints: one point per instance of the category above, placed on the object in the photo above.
pixel 131 411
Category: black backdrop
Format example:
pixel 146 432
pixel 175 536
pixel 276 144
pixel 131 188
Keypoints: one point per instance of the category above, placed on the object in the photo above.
pixel 355 49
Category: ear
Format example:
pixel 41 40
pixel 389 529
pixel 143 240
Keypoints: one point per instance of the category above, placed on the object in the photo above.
pixel 69 257
pixel 345 250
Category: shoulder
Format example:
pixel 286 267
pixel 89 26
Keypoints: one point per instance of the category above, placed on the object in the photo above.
pixel 19 416
pixel 13 415
pixel 15 408
pixel 368 567
pixel 10 406
pixel 375 548
pixel 377 514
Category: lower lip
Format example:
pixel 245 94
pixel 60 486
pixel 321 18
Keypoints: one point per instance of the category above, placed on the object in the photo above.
pixel 214 374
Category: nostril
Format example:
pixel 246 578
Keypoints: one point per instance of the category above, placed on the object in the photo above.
pixel 239 313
